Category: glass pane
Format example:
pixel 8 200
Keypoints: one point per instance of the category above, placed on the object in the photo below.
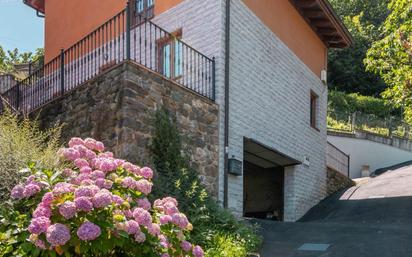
pixel 139 6
pixel 150 3
pixel 178 58
pixel 166 60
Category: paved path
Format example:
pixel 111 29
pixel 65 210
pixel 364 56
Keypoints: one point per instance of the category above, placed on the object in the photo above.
pixel 370 220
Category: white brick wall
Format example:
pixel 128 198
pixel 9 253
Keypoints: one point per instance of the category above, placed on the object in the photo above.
pixel 269 96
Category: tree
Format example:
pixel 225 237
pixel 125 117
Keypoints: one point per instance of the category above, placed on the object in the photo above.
pixel 10 58
pixel 347 71
pixel 391 57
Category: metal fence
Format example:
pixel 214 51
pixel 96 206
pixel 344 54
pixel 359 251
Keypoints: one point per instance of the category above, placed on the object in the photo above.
pixel 121 38
pixel 383 125
pixel 7 81
pixel 337 160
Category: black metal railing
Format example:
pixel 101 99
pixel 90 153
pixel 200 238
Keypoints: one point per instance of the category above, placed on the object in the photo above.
pixel 7 81
pixel 117 40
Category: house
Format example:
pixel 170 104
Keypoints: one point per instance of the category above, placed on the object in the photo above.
pixel 262 62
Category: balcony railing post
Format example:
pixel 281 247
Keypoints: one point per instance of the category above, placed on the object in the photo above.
pixel 128 25
pixel 214 78
pixel 62 71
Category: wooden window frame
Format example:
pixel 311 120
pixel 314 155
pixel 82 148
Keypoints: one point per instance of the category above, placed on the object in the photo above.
pixel 161 43
pixel 314 110
pixel 146 14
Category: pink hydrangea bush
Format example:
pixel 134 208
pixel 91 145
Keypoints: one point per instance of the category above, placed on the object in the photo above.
pixel 99 206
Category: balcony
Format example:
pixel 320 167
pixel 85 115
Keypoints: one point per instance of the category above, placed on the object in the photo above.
pixel 123 37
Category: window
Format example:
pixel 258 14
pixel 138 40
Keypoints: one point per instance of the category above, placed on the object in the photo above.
pixel 143 9
pixel 313 109
pixel 171 56
pixel 139 6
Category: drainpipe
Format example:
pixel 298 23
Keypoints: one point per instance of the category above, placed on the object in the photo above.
pixel 39 14
pixel 227 82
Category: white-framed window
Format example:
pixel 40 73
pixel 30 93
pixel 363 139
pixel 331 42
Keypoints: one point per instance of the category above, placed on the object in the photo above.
pixel 171 56
pixel 140 6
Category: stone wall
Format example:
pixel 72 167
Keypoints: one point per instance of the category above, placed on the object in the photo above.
pixel 118 108
pixel 337 181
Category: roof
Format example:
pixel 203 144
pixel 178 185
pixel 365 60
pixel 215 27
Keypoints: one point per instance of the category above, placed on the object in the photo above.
pixel 320 15
pixel 35 4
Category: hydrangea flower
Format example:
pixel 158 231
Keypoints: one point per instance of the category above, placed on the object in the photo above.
pixel 47 199
pixel 186 246
pixel 58 234
pixel 75 141
pixel 97 180
pixel 197 251
pixel 83 204
pixel 68 209
pixel 165 219
pixel 42 210
pixel 88 231
pixel 132 227
pixel 144 204
pixel 180 220
pixel 31 189
pixel 143 186
pixel 142 216
pixel 146 172
pixel 88 191
pixel 39 225
pixel 70 154
pixel 80 163
pixel 17 192
pixel 140 237
pixel 102 199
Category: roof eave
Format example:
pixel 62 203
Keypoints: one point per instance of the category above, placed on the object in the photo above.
pixel 38 5
pixel 320 15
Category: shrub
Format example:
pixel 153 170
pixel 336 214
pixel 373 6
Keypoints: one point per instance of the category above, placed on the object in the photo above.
pixel 96 207
pixel 341 102
pixel 21 141
pixel 174 176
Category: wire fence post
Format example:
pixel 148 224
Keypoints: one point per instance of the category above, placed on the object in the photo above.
pixel 128 23
pixel 62 71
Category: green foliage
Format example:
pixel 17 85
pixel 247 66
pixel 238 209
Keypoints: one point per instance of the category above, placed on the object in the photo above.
pixel 22 141
pixel 14 234
pixel 391 57
pixel 214 227
pixel 226 245
pixel 354 111
pixel 15 217
pixel 346 68
pixel 342 102
pixel 10 58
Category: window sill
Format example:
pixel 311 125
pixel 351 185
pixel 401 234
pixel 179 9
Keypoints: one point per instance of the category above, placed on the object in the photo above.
pixel 315 128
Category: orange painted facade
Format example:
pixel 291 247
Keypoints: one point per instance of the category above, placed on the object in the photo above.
pixel 286 22
pixel 68 21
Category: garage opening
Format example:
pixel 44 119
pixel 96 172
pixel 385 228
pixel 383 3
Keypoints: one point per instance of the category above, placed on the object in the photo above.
pixel 263 185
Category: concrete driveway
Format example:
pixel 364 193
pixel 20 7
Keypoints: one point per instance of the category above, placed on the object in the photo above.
pixel 370 220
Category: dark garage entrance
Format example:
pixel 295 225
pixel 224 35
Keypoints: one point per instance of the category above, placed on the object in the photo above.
pixel 263 181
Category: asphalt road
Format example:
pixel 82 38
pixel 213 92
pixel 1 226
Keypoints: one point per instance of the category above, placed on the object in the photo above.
pixel 370 220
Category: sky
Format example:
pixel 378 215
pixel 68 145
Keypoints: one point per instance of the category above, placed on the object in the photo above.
pixel 20 27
